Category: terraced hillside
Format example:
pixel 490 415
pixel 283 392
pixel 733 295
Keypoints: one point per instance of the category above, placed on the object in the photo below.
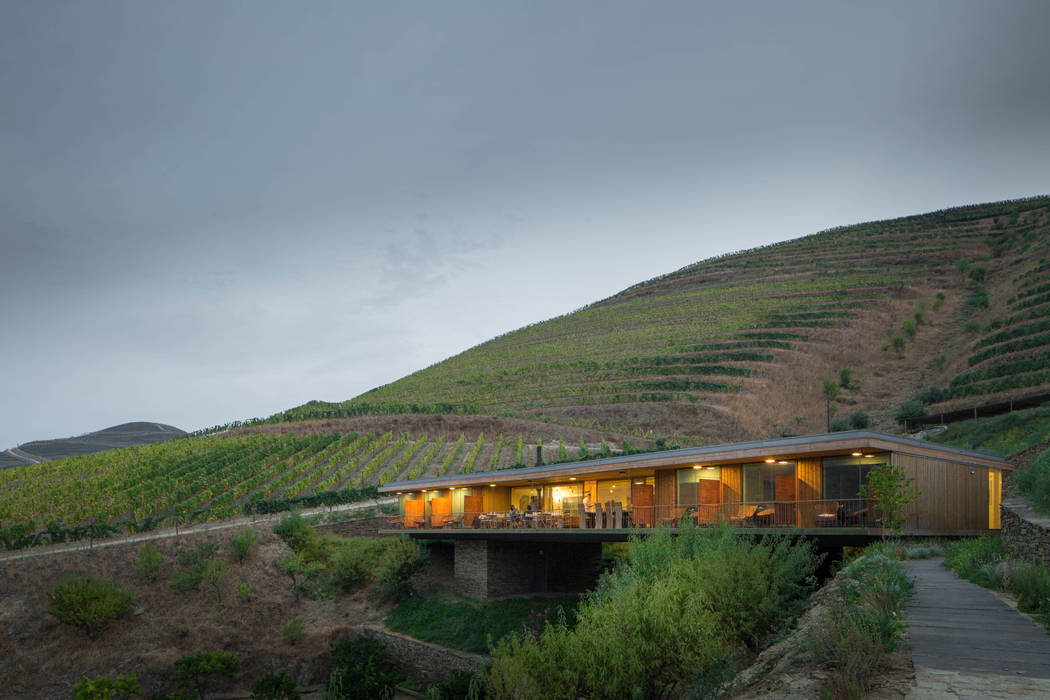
pixel 741 346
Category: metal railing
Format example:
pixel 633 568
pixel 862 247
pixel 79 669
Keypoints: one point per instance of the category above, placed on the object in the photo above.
pixel 828 513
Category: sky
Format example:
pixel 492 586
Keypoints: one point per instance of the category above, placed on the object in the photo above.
pixel 212 211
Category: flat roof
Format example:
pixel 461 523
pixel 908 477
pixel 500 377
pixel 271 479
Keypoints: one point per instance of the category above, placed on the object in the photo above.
pixel 755 450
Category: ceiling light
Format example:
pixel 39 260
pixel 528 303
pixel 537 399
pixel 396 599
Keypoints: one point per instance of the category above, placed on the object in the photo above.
pixel 639 483
pixel 783 462
pixel 572 478
pixel 770 461
pixel 697 466
pixel 856 454
pixel 868 456
pixel 492 485
pixel 708 467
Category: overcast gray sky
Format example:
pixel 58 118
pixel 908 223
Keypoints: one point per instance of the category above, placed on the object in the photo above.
pixel 218 210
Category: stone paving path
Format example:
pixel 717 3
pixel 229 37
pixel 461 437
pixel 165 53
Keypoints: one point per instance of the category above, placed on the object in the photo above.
pixel 967 643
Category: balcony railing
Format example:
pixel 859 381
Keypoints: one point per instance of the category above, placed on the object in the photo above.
pixel 849 512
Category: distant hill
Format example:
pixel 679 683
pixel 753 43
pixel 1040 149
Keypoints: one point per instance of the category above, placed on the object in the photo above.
pixel 125 435
pixel 741 346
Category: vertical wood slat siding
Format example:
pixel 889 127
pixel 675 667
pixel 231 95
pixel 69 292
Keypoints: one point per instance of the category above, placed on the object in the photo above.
pixel 809 488
pixel 665 481
pixel 732 483
pixel 952 497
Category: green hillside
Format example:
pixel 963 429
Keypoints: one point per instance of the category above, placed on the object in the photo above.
pixel 739 346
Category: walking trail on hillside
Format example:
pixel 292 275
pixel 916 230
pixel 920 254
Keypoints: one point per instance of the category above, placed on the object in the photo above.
pixel 967 643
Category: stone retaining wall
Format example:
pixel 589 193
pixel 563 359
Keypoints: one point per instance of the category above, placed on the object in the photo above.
pixel 425 662
pixel 358 527
pixel 1025 532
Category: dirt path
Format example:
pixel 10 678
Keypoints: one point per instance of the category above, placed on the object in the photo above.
pixel 165 533
pixel 967 643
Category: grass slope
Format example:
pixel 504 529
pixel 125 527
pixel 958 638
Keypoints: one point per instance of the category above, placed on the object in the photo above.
pixel 739 346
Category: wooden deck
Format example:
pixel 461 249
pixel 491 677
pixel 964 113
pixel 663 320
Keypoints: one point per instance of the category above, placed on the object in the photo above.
pixel 956 625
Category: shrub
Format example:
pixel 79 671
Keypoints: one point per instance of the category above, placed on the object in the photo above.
pixel 1034 481
pixel 275 686
pixel 863 623
pixel 241 545
pixel 88 603
pixel 938 301
pixel 909 410
pixel 354 562
pixel 846 378
pixel 831 389
pixel 978 273
pixel 839 424
pixel 243 591
pixel 299 534
pixel 858 420
pixel 909 328
pixel 978 299
pixel 971 327
pixel 212 572
pixel 292 630
pixel 200 565
pixel 629 640
pixel 196 671
pixel 401 558
pixel 938 362
pixel 968 557
pixel 106 688
pixel 898 344
pixel 461 685
pixel 360 670
pixel 149 562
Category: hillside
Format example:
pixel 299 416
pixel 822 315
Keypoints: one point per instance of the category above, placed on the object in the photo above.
pixel 739 347
pixel 747 346
pixel 124 435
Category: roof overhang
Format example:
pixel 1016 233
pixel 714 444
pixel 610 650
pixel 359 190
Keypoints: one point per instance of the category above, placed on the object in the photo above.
pixel 713 455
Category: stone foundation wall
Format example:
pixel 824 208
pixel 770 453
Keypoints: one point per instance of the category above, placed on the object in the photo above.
pixel 428 663
pixel 486 569
pixel 1025 532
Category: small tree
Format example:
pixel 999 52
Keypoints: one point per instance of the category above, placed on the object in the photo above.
pixel 892 490
pixel 831 390
pixel 846 378
pixel 898 344
pixel 149 562
pixel 196 670
pixel 275 686
pixel 241 545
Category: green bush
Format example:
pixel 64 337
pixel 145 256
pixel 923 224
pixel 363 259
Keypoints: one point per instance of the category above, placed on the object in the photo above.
pixel 909 410
pixel 846 378
pixel 275 686
pixel 353 562
pixel 461 685
pixel 360 671
pixel 149 562
pixel 831 389
pixel 864 622
pixel 199 564
pixel 909 328
pixel 241 545
pixel 300 534
pixel 629 640
pixel 106 688
pixel 88 603
pixel 196 671
pixel 243 591
pixel 402 557
pixel 292 630
pixel 1034 481
pixel 969 558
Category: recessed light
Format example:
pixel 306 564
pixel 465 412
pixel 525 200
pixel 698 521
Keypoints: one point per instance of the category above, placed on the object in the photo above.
pixel 697 466
pixel 770 461
pixel 708 467
pixel 492 485
pixel 869 456
pixel 639 483
pixel 856 454
pixel 572 478
pixel 783 462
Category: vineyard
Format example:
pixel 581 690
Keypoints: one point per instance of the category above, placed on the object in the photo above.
pixel 700 349
pixel 200 479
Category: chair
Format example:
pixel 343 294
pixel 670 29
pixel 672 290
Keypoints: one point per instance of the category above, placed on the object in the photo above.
pixel 599 516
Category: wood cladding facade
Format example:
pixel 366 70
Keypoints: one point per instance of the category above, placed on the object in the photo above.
pixel 960 490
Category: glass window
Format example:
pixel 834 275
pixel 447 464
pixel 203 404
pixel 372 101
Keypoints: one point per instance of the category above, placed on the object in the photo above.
pixel 843 475
pixel 689 489
pixel 614 490
pixel 566 496
pixel 520 496
pixel 769 481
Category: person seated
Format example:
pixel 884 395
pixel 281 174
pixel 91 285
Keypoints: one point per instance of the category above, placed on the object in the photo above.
pixel 514 515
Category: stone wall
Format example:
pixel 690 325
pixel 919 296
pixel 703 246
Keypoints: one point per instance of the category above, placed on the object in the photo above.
pixel 358 527
pixel 1025 532
pixel 425 662
pixel 492 569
